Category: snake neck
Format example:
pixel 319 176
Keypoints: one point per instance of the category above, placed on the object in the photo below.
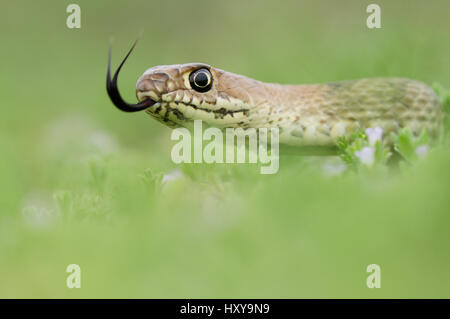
pixel 322 113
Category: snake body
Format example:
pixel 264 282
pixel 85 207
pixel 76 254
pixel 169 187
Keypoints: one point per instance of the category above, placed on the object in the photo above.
pixel 306 115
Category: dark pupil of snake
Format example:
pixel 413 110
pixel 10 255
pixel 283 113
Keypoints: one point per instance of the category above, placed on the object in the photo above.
pixel 201 79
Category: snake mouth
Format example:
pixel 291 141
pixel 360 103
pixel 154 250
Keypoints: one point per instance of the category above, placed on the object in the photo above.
pixel 113 90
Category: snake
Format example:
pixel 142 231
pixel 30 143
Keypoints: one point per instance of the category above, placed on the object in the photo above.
pixel 307 115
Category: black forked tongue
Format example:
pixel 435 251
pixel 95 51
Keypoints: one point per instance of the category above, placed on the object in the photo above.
pixel 113 91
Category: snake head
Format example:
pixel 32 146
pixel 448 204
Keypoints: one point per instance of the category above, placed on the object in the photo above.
pixel 196 91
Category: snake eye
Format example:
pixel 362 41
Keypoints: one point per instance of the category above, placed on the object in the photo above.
pixel 201 80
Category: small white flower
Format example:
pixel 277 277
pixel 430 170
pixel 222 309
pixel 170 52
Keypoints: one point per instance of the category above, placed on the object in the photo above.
pixel 172 176
pixel 366 155
pixel 374 134
pixel 37 210
pixel 422 150
pixel 334 169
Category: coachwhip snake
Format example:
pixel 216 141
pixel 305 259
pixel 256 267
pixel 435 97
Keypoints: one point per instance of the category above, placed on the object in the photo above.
pixel 306 115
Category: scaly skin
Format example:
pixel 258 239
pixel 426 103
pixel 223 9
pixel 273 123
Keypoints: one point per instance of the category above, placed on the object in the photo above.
pixel 307 115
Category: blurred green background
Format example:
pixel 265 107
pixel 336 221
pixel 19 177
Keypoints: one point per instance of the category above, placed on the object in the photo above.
pixel 81 182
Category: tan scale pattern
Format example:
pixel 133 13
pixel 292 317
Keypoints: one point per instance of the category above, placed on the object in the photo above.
pixel 315 114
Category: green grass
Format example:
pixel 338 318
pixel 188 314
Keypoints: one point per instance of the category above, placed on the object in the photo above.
pixel 81 182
